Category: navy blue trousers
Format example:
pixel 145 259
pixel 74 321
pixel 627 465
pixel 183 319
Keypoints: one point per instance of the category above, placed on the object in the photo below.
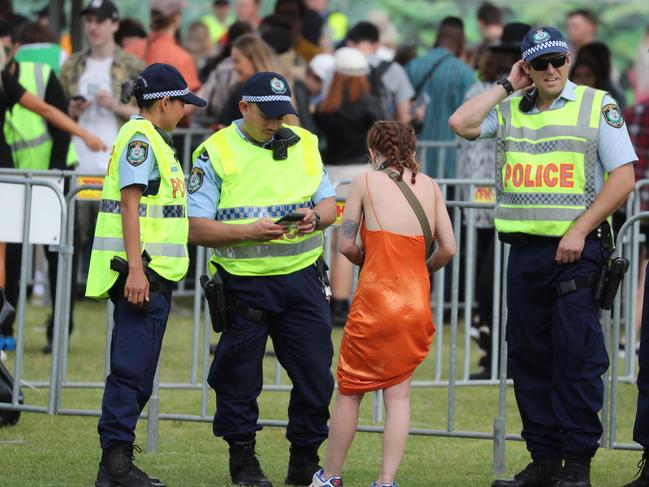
pixel 556 351
pixel 641 427
pixel 134 353
pixel 299 325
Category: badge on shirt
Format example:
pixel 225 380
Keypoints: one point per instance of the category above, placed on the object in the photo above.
pixel 137 152
pixel 195 180
pixel 612 115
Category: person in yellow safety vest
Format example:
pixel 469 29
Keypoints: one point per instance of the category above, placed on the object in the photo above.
pixel 142 227
pixel 219 22
pixel 564 164
pixel 14 94
pixel 250 182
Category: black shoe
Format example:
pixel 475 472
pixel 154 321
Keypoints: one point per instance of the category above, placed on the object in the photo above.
pixel 302 464
pixel 643 473
pixel 539 473
pixel 484 374
pixel 575 473
pixel 244 466
pixel 339 311
pixel 117 469
pixel 7 311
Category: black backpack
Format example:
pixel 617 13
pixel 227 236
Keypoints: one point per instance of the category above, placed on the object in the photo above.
pixel 378 88
pixel 8 417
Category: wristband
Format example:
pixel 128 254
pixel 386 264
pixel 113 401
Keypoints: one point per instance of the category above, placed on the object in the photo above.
pixel 317 219
pixel 505 83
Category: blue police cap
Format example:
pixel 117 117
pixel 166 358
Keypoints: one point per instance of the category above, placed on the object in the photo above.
pixel 271 92
pixel 159 80
pixel 541 41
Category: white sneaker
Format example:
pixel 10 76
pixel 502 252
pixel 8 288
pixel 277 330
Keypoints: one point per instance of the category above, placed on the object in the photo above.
pixel 319 480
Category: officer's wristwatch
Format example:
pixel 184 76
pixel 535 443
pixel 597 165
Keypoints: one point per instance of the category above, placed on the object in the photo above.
pixel 505 83
pixel 317 219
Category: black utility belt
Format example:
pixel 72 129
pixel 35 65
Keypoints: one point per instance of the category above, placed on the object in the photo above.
pixel 600 233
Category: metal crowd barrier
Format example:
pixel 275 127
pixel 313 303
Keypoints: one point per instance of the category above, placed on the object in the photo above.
pixel 458 374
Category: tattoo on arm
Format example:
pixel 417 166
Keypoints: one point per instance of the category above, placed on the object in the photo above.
pixel 349 229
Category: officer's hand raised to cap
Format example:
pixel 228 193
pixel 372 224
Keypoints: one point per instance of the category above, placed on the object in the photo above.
pixel 136 290
pixel 265 229
pixel 570 247
pixel 518 78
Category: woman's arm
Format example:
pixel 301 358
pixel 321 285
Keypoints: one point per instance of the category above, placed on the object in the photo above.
pixel 443 234
pixel 136 290
pixel 59 119
pixel 351 221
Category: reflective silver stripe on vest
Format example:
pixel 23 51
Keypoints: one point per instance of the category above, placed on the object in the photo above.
pixel 547 214
pixel 28 144
pixel 270 250
pixel 274 211
pixel 116 244
pixel 155 211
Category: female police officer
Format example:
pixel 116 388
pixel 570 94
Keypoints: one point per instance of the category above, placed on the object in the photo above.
pixel 142 214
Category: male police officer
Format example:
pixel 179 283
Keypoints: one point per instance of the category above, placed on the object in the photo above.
pixel 245 177
pixel 554 147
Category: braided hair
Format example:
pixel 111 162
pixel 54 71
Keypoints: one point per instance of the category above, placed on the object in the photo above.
pixel 396 141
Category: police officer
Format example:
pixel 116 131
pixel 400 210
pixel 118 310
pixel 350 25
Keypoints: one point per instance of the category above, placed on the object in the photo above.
pixel 552 204
pixel 142 213
pixel 641 426
pixel 245 177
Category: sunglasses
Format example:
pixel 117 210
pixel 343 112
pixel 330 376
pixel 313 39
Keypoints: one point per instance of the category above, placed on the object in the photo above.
pixel 542 64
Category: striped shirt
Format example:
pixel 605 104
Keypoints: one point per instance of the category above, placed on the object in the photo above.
pixel 446 88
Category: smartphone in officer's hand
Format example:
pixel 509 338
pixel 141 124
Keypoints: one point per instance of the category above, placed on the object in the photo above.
pixel 290 219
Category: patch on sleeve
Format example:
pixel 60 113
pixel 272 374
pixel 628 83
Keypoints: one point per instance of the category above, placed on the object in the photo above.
pixel 196 178
pixel 612 115
pixel 137 152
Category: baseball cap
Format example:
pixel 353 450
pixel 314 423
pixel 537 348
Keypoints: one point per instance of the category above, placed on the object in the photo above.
pixel 271 92
pixel 104 9
pixel 167 7
pixel 159 80
pixel 541 41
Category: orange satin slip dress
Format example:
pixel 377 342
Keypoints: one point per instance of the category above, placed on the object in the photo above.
pixel 390 324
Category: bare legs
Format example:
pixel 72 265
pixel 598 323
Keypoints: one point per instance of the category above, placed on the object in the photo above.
pixel 343 427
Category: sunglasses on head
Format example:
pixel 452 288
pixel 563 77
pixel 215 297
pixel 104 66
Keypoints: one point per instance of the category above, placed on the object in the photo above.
pixel 542 64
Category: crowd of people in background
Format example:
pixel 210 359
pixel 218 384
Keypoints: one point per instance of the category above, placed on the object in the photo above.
pixel 343 76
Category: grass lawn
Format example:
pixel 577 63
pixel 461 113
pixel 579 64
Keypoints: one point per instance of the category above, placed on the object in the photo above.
pixel 46 450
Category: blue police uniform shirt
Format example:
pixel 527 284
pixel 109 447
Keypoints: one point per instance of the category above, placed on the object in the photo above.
pixel 614 150
pixel 141 173
pixel 203 202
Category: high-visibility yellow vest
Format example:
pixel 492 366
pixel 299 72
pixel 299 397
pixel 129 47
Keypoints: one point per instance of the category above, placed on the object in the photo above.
pixel 256 186
pixel 163 217
pixel 25 131
pixel 545 164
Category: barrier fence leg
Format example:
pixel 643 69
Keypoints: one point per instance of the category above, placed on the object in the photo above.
pixel 455 298
pixel 499 423
pixel 153 417
pixel 377 409
pixel 22 301
pixel 198 299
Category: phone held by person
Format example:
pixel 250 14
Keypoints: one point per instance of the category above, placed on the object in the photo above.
pixel 290 219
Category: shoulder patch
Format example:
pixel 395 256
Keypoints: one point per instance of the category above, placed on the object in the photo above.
pixel 196 178
pixel 137 152
pixel 613 115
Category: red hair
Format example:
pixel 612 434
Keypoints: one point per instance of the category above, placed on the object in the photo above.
pixel 397 142
pixel 354 86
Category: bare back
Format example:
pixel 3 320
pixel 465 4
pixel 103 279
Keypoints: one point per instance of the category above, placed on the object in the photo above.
pixel 386 208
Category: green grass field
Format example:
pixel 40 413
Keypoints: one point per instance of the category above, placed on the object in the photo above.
pixel 46 450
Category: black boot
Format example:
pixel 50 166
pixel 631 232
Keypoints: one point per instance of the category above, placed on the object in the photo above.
pixel 302 464
pixel 244 466
pixel 7 313
pixel 539 473
pixel 117 469
pixel 575 473
pixel 643 473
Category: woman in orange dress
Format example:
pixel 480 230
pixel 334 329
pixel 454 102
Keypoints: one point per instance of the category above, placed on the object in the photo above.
pixel 390 325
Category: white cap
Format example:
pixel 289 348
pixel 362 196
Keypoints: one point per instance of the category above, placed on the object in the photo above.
pixel 351 62
pixel 322 65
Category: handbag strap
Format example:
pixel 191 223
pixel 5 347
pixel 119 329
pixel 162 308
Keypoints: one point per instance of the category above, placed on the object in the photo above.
pixel 430 72
pixel 416 207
